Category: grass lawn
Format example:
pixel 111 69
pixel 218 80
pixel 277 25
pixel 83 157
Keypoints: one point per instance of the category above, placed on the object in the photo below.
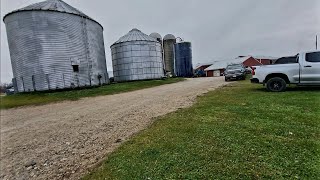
pixel 236 132
pixel 39 98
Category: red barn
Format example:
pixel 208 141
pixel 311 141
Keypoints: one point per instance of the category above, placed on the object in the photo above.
pixel 199 70
pixel 250 61
pixel 202 67
pixel 265 60
pixel 218 67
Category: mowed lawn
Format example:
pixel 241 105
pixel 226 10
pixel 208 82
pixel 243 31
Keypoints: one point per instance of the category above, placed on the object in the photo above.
pixel 40 98
pixel 236 132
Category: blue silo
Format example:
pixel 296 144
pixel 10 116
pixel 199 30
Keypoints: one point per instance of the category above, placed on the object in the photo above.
pixel 183 59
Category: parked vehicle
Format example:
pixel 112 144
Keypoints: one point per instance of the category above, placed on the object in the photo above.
pixel 200 73
pixel 304 71
pixel 10 91
pixel 248 70
pixel 235 71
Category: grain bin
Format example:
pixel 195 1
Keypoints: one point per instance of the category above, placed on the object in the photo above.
pixel 157 36
pixel 183 59
pixel 168 47
pixel 137 56
pixel 55 46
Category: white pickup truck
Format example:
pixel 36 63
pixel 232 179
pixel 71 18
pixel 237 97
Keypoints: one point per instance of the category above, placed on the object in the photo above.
pixel 305 72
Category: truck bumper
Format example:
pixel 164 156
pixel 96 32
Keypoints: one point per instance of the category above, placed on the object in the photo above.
pixel 235 76
pixel 254 80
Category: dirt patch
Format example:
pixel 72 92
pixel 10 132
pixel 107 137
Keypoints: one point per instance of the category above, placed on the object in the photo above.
pixel 64 140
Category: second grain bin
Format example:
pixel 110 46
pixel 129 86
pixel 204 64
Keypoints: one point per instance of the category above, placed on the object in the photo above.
pixel 157 36
pixel 168 47
pixel 183 59
pixel 137 56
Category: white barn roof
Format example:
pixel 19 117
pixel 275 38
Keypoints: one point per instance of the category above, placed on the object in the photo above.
pixel 202 64
pixel 222 64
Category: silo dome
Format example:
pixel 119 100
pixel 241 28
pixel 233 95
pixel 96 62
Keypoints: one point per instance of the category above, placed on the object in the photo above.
pixel 55 46
pixel 137 56
pixel 168 47
pixel 169 36
pixel 157 36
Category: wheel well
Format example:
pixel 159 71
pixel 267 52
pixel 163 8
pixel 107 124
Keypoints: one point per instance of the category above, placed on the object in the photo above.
pixel 280 75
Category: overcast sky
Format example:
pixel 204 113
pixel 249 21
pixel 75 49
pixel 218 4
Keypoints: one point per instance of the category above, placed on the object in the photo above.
pixel 216 28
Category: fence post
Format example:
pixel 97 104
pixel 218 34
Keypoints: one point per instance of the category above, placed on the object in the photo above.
pixel 24 90
pixel 48 81
pixel 99 77
pixel 15 85
pixel 78 81
pixel 33 83
pixel 64 83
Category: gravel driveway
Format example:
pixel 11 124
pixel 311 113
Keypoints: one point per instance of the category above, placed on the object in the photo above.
pixel 64 140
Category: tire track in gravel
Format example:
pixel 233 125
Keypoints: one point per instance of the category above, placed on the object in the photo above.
pixel 64 140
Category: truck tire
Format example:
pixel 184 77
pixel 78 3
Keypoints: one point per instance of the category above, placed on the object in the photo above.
pixel 276 84
pixel 226 79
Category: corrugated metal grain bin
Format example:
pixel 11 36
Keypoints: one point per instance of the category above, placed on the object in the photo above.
pixel 183 59
pixel 137 56
pixel 168 47
pixel 55 46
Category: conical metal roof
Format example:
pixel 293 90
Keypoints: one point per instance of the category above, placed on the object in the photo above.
pixel 52 5
pixel 135 35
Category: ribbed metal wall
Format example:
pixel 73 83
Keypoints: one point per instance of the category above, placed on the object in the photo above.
pixel 45 44
pixel 168 48
pixel 183 59
pixel 137 60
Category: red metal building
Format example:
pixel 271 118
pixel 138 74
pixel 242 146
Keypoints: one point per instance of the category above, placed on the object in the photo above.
pixel 218 67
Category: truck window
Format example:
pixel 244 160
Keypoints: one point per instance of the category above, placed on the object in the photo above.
pixel 313 57
pixel 287 60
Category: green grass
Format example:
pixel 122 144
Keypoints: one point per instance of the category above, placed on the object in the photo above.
pixel 40 98
pixel 236 132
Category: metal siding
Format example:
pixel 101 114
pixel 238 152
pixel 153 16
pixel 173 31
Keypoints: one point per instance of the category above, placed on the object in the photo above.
pixel 137 61
pixel 97 57
pixel 44 44
pixel 183 59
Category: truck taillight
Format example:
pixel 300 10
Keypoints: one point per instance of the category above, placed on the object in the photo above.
pixel 253 71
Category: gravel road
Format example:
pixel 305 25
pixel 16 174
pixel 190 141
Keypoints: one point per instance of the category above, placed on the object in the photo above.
pixel 64 140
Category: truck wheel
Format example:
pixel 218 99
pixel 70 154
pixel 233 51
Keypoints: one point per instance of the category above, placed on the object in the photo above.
pixel 276 84
pixel 226 79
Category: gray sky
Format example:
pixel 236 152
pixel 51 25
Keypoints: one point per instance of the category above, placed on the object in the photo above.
pixel 216 28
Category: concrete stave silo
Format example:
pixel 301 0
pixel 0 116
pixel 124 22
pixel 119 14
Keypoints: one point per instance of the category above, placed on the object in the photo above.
pixel 55 46
pixel 183 59
pixel 168 47
pixel 137 56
